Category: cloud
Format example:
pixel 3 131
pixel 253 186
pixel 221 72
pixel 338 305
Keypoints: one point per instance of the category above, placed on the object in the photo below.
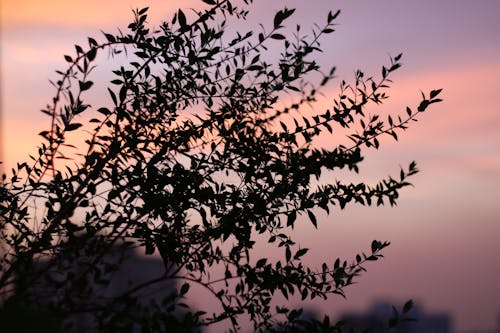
pixel 24 14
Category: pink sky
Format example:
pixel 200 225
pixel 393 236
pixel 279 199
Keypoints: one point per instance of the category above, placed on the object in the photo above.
pixel 445 229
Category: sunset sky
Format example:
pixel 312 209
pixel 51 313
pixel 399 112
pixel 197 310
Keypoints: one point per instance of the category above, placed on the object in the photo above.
pixel 445 231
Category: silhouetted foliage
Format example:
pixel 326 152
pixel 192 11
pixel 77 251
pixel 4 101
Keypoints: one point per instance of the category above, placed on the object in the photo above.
pixel 195 157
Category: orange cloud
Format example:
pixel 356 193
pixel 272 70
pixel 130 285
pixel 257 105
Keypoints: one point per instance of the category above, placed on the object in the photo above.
pixel 26 13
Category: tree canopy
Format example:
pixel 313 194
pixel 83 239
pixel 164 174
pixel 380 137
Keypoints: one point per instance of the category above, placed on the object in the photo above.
pixel 202 149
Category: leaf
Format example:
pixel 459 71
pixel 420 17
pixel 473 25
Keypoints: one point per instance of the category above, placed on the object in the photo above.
pixel 110 37
pixel 91 54
pixel 288 253
pixel 143 10
pixel 434 93
pixel 68 58
pixel 394 321
pixel 184 289
pixel 281 16
pixel 123 94
pixel 394 67
pixel 423 105
pixel 85 85
pixel 44 134
pixel 300 253
pixel 304 293
pixel 278 36
pixel 284 291
pixel 72 127
pixel 261 263
pixel 104 111
pixel 278 18
pixel 408 306
pixel 182 19
pixel 332 16
pixel 312 218
pixel 113 96
pixel 291 218
pixel 328 127
pixel 254 68
pixel 92 41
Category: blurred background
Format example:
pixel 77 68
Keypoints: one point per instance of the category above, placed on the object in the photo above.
pixel 444 231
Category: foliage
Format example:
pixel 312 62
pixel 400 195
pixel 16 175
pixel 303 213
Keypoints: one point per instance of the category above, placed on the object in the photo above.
pixel 196 156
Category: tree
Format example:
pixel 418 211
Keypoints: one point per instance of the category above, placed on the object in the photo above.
pixel 195 158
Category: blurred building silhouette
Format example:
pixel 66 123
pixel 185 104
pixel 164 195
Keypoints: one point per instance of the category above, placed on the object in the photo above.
pixel 133 270
pixel 377 320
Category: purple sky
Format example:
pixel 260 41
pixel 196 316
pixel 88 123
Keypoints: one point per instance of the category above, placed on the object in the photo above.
pixel 445 230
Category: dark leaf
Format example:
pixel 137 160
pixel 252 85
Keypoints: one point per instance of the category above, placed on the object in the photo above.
pixel 182 19
pixel 260 263
pixel 300 253
pixel 434 93
pixel 143 11
pixel 85 85
pixel 277 36
pixel 104 111
pixel 408 306
pixel 110 38
pixel 312 218
pixel 184 289
pixel 92 42
pixel 72 127
pixel 288 254
pixel 113 96
pixel 291 218
pixel 91 54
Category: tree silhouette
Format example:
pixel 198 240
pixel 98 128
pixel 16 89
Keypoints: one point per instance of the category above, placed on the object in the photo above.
pixel 195 157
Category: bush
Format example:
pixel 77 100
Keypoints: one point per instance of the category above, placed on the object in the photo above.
pixel 195 156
